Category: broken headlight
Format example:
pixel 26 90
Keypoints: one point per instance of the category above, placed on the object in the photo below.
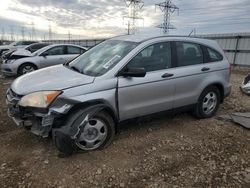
pixel 39 99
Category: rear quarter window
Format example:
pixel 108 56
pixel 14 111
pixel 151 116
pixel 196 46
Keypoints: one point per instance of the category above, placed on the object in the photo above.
pixel 214 55
pixel 73 50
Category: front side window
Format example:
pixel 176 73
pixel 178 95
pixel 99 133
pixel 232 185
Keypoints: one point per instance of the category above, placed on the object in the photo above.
pixel 214 56
pixel 188 54
pixel 59 50
pixel 153 58
pixel 102 58
pixel 27 42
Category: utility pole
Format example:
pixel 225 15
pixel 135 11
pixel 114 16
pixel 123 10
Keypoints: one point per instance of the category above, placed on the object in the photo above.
pixel 11 33
pixel 167 8
pixel 22 32
pixel 134 6
pixel 3 34
pixel 69 35
pixel 50 33
pixel 33 33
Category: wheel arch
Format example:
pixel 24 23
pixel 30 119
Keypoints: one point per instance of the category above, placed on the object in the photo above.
pixel 26 63
pixel 220 88
pixel 96 103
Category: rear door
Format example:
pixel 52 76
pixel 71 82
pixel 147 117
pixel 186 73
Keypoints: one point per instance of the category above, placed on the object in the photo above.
pixel 191 72
pixel 152 93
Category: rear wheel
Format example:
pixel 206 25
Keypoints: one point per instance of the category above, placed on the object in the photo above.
pixel 26 68
pixel 208 103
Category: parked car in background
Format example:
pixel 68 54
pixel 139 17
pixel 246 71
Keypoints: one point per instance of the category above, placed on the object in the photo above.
pixel 23 52
pixel 48 56
pixel 126 77
pixel 245 85
pixel 15 45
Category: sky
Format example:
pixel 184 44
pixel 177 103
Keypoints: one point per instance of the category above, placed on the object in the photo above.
pixel 82 19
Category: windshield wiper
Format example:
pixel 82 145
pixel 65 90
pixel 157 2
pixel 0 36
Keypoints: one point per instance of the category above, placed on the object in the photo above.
pixel 76 69
pixel 73 68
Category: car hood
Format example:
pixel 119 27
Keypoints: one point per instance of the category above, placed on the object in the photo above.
pixel 22 52
pixel 5 47
pixel 51 78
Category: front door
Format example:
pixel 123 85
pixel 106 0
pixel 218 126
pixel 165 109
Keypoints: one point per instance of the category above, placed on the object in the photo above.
pixel 54 56
pixel 152 93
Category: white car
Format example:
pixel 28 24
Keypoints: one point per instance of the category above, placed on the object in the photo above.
pixel 27 51
pixel 23 52
pixel 48 56
pixel 15 45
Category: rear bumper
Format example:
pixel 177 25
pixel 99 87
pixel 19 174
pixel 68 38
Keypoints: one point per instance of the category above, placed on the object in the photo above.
pixel 227 91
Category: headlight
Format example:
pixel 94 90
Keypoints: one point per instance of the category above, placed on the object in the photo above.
pixel 10 61
pixel 39 99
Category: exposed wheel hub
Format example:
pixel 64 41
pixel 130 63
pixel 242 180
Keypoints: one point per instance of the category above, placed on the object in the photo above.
pixel 28 69
pixel 209 103
pixel 93 134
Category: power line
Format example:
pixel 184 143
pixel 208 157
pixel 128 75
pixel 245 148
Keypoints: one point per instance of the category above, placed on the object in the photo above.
pixel 217 7
pixel 134 6
pixel 167 8
pixel 217 25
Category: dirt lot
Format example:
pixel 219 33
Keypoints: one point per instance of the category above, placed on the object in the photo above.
pixel 178 151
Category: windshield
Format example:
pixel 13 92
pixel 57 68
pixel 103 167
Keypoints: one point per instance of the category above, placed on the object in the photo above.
pixel 100 59
pixel 13 44
pixel 34 47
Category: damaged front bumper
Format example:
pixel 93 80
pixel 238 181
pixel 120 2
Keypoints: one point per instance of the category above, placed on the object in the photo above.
pixel 39 121
pixel 245 86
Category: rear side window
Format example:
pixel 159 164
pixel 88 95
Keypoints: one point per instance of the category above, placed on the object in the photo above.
pixel 188 54
pixel 74 50
pixel 214 55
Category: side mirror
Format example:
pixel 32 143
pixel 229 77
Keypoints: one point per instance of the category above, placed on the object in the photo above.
pixel 133 72
pixel 45 54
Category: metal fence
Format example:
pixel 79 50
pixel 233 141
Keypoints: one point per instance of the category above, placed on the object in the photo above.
pixel 85 43
pixel 236 47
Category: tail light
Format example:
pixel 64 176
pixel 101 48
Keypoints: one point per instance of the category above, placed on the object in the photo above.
pixel 230 65
pixel 230 69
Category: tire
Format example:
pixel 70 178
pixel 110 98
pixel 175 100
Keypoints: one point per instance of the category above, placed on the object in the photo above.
pixel 101 125
pixel 26 68
pixel 208 103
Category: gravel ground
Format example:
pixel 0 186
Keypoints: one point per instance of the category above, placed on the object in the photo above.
pixel 178 151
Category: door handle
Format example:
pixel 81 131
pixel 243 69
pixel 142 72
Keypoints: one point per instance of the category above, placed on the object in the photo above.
pixel 167 75
pixel 205 69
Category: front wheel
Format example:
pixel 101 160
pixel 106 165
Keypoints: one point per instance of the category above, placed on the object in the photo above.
pixel 208 102
pixel 94 131
pixel 26 68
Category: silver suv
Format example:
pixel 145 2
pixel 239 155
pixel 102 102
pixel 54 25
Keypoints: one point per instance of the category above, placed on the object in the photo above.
pixel 83 101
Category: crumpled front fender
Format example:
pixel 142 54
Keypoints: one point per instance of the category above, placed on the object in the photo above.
pixel 65 136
